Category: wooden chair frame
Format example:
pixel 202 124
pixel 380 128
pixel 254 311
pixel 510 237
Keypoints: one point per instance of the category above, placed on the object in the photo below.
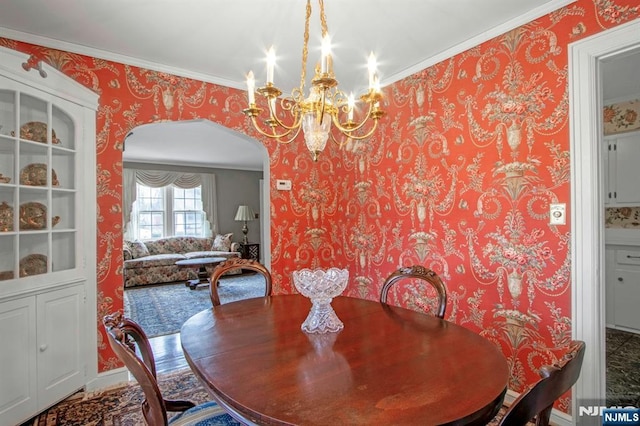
pixel 237 263
pixel 124 335
pixel 556 380
pixel 419 272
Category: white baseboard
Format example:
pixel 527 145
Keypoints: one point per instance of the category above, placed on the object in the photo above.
pixel 557 417
pixel 108 379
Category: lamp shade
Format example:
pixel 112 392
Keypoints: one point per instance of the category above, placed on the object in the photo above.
pixel 244 213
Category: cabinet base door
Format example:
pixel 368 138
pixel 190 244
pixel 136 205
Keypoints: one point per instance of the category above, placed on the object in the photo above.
pixel 18 386
pixel 627 297
pixel 60 334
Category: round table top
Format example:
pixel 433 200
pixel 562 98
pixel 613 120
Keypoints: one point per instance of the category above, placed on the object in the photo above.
pixel 387 366
pixel 200 261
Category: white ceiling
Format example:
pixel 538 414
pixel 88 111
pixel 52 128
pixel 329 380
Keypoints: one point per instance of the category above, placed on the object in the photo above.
pixel 219 41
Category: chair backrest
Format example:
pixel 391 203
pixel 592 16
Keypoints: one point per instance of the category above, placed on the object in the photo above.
pixel 422 273
pixel 556 380
pixel 124 336
pixel 237 263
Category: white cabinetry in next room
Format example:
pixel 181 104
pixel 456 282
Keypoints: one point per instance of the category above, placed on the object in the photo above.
pixel 622 275
pixel 621 160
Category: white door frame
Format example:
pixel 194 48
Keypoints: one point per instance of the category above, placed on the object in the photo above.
pixel 587 213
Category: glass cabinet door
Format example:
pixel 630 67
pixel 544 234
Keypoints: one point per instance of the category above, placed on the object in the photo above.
pixel 38 186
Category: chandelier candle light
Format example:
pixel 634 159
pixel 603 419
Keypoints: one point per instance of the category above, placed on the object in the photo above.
pixel 325 104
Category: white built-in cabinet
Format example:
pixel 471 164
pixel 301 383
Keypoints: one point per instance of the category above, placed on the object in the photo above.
pixel 622 275
pixel 47 236
pixel 621 160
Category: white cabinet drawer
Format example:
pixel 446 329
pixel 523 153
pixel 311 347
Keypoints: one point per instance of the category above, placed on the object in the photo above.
pixel 628 257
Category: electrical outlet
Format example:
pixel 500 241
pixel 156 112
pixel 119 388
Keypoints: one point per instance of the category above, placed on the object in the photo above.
pixel 557 214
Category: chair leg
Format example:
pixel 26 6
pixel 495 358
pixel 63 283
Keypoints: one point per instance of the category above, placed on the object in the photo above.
pixel 178 405
pixel 544 416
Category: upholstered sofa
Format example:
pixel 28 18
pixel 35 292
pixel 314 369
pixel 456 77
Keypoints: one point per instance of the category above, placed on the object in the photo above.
pixel 154 261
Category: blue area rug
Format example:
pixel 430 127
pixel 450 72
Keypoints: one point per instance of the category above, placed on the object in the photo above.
pixel 162 309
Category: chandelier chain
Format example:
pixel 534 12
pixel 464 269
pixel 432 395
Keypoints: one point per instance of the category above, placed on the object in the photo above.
pixel 305 47
pixel 323 19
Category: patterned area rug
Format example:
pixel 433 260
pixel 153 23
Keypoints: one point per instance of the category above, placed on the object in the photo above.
pixel 162 309
pixel 119 406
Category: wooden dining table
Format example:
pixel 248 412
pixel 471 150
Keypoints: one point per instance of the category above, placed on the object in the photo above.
pixel 388 366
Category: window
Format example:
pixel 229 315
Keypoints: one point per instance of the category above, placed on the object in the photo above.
pixel 187 211
pixel 167 211
pixel 150 206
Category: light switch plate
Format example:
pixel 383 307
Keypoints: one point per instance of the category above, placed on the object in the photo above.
pixel 557 214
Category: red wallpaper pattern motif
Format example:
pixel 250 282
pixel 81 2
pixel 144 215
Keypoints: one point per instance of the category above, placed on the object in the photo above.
pixel 459 179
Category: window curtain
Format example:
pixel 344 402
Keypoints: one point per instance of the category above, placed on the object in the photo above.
pixel 158 179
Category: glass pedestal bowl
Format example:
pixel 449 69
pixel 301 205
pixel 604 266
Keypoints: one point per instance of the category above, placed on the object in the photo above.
pixel 321 287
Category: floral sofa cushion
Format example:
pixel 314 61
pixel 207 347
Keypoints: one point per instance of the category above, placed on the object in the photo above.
pixel 158 266
pixel 138 249
pixel 178 245
pixel 167 259
pixel 222 242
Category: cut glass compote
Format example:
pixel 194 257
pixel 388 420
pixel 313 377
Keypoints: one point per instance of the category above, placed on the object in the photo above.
pixel 321 287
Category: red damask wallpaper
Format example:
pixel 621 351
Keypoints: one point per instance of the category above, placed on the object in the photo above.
pixel 459 179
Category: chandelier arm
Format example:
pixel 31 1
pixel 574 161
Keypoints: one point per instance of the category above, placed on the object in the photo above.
pixel 292 138
pixel 337 142
pixel 366 135
pixel 352 127
pixel 272 134
pixel 296 123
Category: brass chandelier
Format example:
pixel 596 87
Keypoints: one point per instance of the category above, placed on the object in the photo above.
pixel 325 104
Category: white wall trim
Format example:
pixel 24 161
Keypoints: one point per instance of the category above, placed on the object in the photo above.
pixel 108 379
pixel 265 214
pixel 587 229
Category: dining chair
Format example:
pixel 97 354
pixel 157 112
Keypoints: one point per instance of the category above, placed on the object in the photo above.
pixel 423 274
pixel 556 379
pixel 232 264
pixel 125 336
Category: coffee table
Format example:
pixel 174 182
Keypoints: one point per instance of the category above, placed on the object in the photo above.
pixel 201 263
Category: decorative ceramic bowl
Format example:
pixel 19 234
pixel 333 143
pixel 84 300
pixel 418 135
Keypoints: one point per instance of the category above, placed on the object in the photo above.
pixel 6 217
pixel 321 287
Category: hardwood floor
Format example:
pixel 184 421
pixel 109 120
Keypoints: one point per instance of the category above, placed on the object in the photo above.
pixel 167 352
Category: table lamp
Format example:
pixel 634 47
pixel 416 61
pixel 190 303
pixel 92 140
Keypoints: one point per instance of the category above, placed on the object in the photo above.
pixel 244 214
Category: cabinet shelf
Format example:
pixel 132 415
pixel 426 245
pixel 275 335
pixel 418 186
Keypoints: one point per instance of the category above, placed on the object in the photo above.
pixel 41 159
